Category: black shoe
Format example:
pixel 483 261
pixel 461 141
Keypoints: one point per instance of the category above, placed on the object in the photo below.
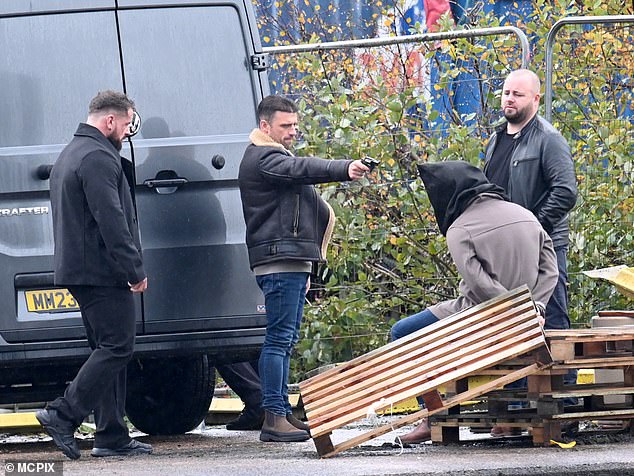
pixel 62 432
pixel 247 421
pixel 133 448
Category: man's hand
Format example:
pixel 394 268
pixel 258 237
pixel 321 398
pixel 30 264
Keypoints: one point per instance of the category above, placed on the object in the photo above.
pixel 356 170
pixel 541 312
pixel 139 287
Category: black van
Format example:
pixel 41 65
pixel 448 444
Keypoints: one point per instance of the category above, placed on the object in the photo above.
pixel 194 71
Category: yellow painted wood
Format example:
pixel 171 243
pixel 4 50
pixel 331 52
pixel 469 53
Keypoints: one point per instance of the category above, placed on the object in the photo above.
pixel 18 421
pixel 235 405
pixel 621 276
pixel 585 376
pixel 226 405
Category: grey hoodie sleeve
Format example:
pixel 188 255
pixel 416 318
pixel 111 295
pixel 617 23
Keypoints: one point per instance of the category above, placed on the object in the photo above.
pixel 477 285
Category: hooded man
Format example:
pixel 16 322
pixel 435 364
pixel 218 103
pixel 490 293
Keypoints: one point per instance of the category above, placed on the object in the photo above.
pixel 495 244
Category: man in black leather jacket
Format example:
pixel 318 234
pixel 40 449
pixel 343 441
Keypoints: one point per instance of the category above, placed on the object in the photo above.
pixel 532 162
pixel 288 228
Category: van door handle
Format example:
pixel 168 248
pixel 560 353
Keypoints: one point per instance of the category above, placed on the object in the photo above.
pixel 43 172
pixel 156 183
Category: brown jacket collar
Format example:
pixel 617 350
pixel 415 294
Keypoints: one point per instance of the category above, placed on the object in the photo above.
pixel 259 138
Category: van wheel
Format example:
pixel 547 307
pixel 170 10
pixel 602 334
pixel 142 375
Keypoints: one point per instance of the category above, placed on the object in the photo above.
pixel 169 396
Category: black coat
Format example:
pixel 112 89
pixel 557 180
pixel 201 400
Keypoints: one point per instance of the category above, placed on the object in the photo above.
pixel 542 176
pixel 285 216
pixel 94 223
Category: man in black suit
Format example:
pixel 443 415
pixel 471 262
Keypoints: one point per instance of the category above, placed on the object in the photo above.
pixel 98 258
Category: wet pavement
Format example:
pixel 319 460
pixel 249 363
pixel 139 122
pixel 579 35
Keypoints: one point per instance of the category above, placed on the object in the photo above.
pixel 216 451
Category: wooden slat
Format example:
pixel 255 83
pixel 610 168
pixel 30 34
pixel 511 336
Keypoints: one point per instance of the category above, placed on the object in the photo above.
pixel 421 360
pixel 591 335
pixel 383 363
pixel 484 424
pixel 624 413
pixel 421 369
pixel 596 390
pixel 392 358
pixel 610 313
pixel 599 362
pixel 344 417
pixel 451 324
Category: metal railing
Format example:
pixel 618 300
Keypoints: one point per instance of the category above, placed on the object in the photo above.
pixel 420 38
pixel 550 41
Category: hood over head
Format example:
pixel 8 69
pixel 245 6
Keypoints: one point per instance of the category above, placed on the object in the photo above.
pixel 452 186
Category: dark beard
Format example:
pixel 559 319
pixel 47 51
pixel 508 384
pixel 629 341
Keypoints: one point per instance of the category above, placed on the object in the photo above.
pixel 518 117
pixel 115 142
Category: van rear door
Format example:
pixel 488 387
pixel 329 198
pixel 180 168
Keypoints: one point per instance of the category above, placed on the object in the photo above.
pixel 51 64
pixel 188 70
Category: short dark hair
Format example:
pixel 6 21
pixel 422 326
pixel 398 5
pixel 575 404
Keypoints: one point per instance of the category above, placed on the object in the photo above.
pixel 272 104
pixel 106 101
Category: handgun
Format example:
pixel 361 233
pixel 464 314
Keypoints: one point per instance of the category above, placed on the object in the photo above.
pixel 370 162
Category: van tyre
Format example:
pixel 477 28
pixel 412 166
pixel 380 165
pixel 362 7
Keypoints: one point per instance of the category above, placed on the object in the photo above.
pixel 169 396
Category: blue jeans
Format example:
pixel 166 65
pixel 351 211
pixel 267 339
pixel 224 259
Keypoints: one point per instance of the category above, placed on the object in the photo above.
pixel 284 295
pixel 557 311
pixel 412 323
pixel 557 306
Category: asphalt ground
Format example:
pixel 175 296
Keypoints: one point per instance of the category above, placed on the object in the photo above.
pixel 216 451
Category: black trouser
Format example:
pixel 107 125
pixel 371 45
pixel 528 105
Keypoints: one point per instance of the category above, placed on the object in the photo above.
pixel 100 384
pixel 244 379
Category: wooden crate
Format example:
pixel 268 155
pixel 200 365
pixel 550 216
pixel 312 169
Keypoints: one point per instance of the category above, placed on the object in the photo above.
pixel 418 364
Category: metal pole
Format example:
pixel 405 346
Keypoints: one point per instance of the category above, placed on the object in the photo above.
pixel 550 40
pixel 393 40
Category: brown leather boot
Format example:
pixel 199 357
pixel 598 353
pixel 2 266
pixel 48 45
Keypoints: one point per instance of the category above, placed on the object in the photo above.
pixel 300 425
pixel 419 434
pixel 277 428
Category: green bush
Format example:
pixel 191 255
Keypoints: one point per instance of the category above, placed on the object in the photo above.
pixel 387 258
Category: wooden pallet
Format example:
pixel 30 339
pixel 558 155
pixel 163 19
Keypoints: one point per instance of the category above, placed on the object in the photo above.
pixel 571 349
pixel 418 364
pixel 592 348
